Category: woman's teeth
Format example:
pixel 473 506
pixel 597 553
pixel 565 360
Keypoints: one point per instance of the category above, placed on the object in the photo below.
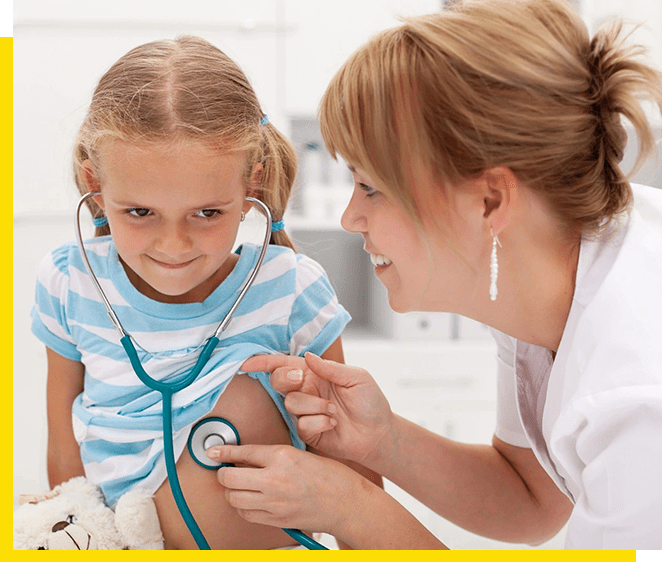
pixel 378 260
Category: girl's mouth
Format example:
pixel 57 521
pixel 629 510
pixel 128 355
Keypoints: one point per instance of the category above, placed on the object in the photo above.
pixel 169 265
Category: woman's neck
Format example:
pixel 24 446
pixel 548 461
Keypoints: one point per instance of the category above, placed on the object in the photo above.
pixel 537 274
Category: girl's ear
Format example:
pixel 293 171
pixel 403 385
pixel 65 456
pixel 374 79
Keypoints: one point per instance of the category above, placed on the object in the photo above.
pixel 500 198
pixel 254 186
pixel 255 183
pixel 92 180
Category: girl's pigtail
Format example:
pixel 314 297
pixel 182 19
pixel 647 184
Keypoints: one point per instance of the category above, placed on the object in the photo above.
pixel 279 163
pixel 80 155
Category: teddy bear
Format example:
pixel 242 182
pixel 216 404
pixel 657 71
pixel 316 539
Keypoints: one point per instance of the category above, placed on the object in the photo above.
pixel 74 516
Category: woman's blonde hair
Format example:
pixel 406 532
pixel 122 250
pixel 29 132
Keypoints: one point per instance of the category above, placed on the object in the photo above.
pixel 186 90
pixel 515 83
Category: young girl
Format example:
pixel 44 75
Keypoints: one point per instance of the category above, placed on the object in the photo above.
pixel 174 140
pixel 485 144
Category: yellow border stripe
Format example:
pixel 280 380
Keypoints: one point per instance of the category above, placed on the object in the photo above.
pixel 6 163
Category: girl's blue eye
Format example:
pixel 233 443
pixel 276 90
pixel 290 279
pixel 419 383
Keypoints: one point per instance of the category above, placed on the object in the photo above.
pixel 208 213
pixel 137 212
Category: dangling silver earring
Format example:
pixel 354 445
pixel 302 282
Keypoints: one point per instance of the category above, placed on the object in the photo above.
pixel 494 267
pixel 243 216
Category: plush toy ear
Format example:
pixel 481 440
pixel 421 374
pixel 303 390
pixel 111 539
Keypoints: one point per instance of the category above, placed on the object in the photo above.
pixel 137 521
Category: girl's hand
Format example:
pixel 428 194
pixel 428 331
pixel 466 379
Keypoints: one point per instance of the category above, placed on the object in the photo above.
pixel 285 487
pixel 341 409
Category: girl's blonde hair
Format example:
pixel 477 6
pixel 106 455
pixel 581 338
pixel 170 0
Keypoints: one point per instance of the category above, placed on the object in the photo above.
pixel 186 90
pixel 496 83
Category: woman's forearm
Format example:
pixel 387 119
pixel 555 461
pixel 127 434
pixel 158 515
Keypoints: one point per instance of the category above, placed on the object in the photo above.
pixel 378 522
pixel 498 491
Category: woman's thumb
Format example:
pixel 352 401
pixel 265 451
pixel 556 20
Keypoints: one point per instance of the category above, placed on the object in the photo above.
pixel 336 373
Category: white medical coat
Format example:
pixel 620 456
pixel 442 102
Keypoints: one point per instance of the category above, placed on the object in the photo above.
pixel 593 415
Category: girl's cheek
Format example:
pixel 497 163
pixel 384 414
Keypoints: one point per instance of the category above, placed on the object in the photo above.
pixel 127 240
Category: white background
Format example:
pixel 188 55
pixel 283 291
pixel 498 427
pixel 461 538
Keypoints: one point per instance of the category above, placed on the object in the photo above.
pixel 436 370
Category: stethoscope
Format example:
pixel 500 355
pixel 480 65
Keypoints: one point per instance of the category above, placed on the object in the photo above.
pixel 208 432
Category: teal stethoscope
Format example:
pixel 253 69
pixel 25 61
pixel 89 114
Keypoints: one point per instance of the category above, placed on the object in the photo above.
pixel 210 431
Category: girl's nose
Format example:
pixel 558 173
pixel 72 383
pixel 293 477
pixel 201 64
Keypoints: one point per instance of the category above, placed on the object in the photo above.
pixel 353 219
pixel 173 240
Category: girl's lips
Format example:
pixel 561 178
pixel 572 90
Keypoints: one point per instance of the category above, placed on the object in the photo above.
pixel 168 265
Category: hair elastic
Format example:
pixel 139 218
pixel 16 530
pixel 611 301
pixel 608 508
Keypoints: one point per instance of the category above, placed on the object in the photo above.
pixel 277 226
pixel 264 120
pixel 101 221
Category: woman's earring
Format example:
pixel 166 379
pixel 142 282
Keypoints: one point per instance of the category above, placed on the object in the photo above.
pixel 243 216
pixel 494 267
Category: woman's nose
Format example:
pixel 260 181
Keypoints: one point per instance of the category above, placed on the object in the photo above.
pixel 353 219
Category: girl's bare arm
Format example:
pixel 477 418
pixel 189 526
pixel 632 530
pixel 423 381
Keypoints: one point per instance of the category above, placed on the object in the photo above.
pixel 64 383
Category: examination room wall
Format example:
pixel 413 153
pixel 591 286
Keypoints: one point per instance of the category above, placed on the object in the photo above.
pixel 290 49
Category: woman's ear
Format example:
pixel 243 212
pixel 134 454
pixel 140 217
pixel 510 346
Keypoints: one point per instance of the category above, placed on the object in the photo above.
pixel 500 198
pixel 92 180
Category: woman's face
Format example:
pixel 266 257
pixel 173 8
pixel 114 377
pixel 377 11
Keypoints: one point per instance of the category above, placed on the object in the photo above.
pixel 174 212
pixel 421 268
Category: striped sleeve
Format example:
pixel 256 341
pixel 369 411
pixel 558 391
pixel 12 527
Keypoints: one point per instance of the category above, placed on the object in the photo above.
pixel 49 319
pixel 317 318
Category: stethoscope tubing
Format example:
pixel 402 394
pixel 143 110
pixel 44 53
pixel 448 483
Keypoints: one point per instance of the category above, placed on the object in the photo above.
pixel 168 389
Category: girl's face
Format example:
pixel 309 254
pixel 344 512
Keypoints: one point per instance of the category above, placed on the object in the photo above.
pixel 420 269
pixel 174 212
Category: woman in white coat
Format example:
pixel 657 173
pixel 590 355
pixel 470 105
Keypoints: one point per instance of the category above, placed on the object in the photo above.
pixel 485 144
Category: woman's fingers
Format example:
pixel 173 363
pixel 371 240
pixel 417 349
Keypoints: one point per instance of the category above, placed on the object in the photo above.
pixel 269 363
pixel 301 404
pixel 252 455
pixel 310 427
pixel 286 379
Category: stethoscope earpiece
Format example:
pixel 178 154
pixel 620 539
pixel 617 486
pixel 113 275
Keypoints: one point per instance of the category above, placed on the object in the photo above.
pixel 207 433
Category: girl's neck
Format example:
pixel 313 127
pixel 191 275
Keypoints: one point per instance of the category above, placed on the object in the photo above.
pixel 198 294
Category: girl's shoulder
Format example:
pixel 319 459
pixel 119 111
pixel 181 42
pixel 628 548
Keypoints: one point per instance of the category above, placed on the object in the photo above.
pixel 65 261
pixel 68 254
pixel 284 259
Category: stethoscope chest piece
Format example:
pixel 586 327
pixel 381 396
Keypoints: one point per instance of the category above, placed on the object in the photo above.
pixel 210 432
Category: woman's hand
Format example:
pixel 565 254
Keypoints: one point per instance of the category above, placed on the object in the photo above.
pixel 285 487
pixel 341 409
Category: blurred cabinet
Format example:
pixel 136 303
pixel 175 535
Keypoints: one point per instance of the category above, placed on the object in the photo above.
pixel 448 388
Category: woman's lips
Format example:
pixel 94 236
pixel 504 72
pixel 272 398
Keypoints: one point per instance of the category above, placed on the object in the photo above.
pixel 379 260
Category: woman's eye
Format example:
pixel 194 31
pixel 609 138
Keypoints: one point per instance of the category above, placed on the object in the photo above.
pixel 208 213
pixel 137 212
pixel 369 191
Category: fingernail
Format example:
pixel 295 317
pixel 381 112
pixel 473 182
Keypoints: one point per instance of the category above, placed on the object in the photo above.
pixel 333 422
pixel 331 408
pixel 213 454
pixel 296 375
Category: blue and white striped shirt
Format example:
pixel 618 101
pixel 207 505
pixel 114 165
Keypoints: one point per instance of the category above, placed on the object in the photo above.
pixel 117 420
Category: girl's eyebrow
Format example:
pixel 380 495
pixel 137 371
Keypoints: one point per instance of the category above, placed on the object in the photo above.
pixel 215 203
pixel 351 168
pixel 207 205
